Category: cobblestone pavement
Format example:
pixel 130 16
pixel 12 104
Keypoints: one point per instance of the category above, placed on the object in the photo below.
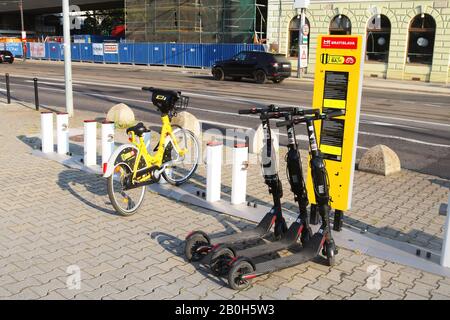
pixel 54 219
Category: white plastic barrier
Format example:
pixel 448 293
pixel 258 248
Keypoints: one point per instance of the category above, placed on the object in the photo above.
pixel 62 132
pixel 47 132
pixel 239 174
pixel 90 143
pixel 213 170
pixel 107 140
pixel 445 255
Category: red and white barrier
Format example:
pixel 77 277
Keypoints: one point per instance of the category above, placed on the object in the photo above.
pixel 62 132
pixel 90 143
pixel 47 132
pixel 239 174
pixel 107 140
pixel 213 170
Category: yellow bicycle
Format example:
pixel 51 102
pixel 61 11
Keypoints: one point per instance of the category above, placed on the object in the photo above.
pixel 131 167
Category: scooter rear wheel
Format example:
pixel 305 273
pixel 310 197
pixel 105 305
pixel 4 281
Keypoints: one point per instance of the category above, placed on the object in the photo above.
pixel 193 243
pixel 238 269
pixel 220 261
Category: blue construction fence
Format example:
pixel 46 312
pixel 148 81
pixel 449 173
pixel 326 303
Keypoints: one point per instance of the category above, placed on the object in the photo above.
pixel 165 54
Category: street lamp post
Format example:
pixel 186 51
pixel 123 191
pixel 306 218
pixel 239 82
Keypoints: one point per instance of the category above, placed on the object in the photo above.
pixel 67 58
pixel 23 38
pixel 300 5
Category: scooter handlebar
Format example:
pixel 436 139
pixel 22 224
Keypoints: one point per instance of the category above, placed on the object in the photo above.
pixel 250 111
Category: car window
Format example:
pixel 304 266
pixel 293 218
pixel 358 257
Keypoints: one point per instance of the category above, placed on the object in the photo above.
pixel 240 57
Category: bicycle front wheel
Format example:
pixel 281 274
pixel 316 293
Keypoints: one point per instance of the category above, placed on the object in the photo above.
pixel 181 168
pixel 125 201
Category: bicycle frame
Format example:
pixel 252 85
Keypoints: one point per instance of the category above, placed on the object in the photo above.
pixel 157 159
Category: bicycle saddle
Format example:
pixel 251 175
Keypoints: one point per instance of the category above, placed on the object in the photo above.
pixel 138 129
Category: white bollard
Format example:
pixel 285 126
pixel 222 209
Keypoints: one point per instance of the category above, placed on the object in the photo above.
pixel 62 132
pixel 239 174
pixel 47 132
pixel 107 140
pixel 445 254
pixel 90 143
pixel 213 170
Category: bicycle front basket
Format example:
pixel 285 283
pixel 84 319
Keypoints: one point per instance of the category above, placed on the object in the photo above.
pixel 182 103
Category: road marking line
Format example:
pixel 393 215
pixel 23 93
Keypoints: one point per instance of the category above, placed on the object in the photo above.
pixel 232 125
pixel 408 120
pixel 404 139
pixel 224 99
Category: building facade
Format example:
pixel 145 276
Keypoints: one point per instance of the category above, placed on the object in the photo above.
pixel 198 21
pixel 407 40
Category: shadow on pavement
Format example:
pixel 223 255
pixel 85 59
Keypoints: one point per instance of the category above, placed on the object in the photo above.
pixel 71 178
pixel 175 246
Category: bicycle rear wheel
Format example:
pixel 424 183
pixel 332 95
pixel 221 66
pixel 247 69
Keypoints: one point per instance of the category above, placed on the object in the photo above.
pixel 181 168
pixel 125 202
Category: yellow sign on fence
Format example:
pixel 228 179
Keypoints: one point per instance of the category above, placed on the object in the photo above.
pixel 337 85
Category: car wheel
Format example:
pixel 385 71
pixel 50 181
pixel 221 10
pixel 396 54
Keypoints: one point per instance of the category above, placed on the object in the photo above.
pixel 218 74
pixel 260 76
pixel 278 80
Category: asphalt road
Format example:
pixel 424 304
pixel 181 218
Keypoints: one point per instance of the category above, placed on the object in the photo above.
pixel 416 125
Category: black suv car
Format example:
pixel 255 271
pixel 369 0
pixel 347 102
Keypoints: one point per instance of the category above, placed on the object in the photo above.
pixel 253 64
pixel 6 56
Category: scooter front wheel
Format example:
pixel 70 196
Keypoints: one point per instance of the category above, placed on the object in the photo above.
pixel 193 246
pixel 329 251
pixel 235 277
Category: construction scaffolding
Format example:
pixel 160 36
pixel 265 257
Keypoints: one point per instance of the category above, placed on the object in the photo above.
pixel 197 21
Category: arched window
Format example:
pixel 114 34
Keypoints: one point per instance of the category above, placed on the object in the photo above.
pixel 421 39
pixel 294 27
pixel 378 36
pixel 340 25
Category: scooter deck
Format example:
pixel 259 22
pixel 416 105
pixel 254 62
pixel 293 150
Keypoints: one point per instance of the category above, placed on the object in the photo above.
pixel 287 241
pixel 308 252
pixel 261 230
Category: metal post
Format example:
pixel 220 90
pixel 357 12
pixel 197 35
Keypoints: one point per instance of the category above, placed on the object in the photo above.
pixel 8 89
pixel 445 254
pixel 24 44
pixel 36 94
pixel 67 59
pixel 300 40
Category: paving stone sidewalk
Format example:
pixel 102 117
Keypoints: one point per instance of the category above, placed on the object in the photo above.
pixel 54 219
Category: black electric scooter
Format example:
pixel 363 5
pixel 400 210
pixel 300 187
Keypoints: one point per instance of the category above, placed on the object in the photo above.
pixel 223 255
pixel 198 244
pixel 244 268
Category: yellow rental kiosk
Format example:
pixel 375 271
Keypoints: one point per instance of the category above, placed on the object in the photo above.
pixel 337 85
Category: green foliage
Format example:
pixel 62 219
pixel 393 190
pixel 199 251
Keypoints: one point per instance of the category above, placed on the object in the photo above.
pixel 102 22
